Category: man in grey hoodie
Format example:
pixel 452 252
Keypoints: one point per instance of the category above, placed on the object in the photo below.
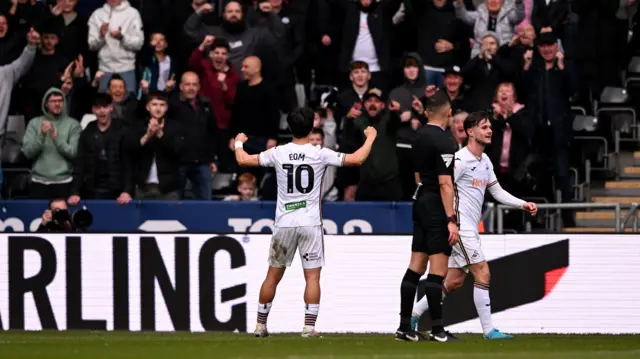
pixel 11 73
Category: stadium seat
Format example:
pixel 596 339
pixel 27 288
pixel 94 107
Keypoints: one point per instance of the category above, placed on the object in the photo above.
pixel 633 71
pixel 585 123
pixel 12 144
pixel 615 108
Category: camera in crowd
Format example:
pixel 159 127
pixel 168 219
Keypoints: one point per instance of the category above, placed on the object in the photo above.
pixel 58 218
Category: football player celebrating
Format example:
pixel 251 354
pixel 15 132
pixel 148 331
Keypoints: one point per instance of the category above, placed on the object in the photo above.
pixel 299 167
pixel 473 174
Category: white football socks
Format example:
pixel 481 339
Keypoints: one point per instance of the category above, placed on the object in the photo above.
pixel 423 305
pixel 483 305
pixel 310 316
pixel 263 313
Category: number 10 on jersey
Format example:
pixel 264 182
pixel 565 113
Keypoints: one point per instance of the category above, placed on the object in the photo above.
pixel 294 176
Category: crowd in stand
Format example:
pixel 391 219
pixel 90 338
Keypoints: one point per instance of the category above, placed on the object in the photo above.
pixel 135 99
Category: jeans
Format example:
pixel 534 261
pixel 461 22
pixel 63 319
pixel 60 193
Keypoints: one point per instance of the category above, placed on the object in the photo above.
pixel 435 78
pixel 200 177
pixel 129 78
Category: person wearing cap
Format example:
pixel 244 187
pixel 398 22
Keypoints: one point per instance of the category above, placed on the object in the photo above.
pixel 453 87
pixel 379 175
pixel 485 72
pixel 45 72
pixel 498 16
pixel 546 88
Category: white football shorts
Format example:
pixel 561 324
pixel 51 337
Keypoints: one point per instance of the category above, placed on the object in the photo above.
pixel 467 251
pixel 309 241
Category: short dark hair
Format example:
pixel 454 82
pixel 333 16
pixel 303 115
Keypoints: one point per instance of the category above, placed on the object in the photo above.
pixel 116 77
pixel 410 62
pixel 437 100
pixel 220 42
pixel 474 119
pixel 300 121
pixel 359 65
pixel 101 100
pixel 317 131
pixel 54 200
pixel 157 95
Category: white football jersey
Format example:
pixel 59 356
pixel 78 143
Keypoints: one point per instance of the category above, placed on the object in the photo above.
pixel 299 171
pixel 471 177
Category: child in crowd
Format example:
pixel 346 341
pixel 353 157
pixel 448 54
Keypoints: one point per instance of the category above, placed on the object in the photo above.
pixel 246 188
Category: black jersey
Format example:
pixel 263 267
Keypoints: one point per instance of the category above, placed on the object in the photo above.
pixel 433 153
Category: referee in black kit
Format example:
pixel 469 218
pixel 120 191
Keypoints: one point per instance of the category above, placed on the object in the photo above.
pixel 435 226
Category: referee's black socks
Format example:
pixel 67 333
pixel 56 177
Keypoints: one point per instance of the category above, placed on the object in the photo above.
pixel 408 290
pixel 433 291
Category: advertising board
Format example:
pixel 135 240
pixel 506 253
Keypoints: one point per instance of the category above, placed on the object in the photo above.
pixel 208 282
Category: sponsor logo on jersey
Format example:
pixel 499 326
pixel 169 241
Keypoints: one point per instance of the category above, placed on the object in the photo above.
pixel 295 205
pixel 447 158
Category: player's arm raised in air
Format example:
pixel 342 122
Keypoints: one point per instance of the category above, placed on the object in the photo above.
pixel 504 197
pixel 357 158
pixel 242 157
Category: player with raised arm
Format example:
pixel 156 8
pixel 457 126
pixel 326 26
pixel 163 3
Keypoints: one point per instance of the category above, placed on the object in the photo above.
pixel 298 225
pixel 473 174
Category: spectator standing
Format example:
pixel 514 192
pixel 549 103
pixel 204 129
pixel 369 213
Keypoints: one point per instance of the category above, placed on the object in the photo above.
pixel 77 91
pixel 197 123
pixel 99 171
pixel 12 41
pixel 244 40
pixel 491 16
pixel 72 28
pixel 348 107
pixel 549 88
pixel 484 72
pixel 155 153
pixel 219 80
pixel 457 129
pixel 549 16
pixel 45 72
pixel 364 36
pixel 329 191
pixel 125 106
pixel 453 87
pixel 255 111
pixel 379 176
pixel 11 73
pixel 158 69
pixel 115 32
pixel 440 37
pixel 51 141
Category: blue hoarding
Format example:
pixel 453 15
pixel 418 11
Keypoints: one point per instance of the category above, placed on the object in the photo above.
pixel 216 217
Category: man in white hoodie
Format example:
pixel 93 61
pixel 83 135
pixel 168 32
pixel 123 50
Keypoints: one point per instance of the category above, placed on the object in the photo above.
pixel 115 31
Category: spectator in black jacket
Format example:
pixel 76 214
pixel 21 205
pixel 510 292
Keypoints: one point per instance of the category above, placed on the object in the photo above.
pixel 74 29
pixel 549 16
pixel 99 171
pixel 364 36
pixel 549 88
pixel 255 111
pixel 155 153
pixel 440 37
pixel 348 107
pixel 198 127
pixel 453 86
pixel 484 72
pixel 45 72
pixel 125 105
pixel 12 42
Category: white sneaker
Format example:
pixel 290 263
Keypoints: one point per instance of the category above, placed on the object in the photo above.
pixel 306 333
pixel 261 331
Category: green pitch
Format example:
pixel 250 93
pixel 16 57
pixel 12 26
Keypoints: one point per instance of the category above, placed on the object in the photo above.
pixel 90 345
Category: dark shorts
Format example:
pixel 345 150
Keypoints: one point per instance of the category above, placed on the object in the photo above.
pixel 430 232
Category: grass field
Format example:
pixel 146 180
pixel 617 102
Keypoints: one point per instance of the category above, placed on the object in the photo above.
pixel 89 345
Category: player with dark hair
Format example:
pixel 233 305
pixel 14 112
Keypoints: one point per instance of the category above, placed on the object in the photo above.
pixel 435 227
pixel 299 167
pixel 473 174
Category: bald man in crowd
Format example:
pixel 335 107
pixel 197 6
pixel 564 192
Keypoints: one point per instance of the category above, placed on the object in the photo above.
pixel 198 125
pixel 255 110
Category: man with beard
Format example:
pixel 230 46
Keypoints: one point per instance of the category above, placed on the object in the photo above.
pixel 379 175
pixel 244 40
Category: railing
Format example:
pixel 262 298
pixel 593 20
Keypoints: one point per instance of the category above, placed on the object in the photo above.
pixel 619 226
pixel 633 213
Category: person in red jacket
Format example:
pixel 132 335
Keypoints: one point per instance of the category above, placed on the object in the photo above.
pixel 219 80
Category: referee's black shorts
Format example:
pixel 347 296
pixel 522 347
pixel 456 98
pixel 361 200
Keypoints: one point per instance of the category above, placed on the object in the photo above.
pixel 430 231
